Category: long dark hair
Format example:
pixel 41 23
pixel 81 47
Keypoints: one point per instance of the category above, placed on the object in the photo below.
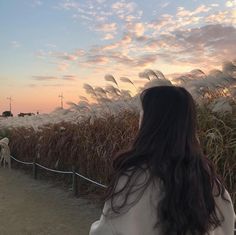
pixel 167 146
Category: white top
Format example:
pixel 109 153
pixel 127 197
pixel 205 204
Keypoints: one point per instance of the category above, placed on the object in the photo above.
pixel 141 218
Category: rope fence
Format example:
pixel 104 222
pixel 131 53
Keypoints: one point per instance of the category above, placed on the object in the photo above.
pixel 26 163
pixel 52 170
pixel 73 173
pixel 92 181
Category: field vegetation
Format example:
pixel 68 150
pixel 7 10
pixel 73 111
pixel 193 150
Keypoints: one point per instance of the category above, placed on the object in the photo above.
pixel 111 125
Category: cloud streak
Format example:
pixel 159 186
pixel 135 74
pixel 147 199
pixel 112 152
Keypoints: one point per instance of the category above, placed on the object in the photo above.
pixel 52 78
pixel 70 77
pixel 44 78
pixel 15 44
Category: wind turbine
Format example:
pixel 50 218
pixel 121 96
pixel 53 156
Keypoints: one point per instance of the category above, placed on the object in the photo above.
pixel 10 100
pixel 61 97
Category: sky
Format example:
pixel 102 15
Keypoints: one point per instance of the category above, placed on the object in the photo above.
pixel 50 47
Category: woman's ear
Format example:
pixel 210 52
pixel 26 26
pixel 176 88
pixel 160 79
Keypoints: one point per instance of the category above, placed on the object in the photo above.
pixel 197 137
pixel 140 118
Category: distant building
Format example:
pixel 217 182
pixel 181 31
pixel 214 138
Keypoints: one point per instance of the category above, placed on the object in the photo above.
pixel 25 114
pixel 7 114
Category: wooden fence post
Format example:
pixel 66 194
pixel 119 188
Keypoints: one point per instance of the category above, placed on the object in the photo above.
pixel 74 181
pixel 35 170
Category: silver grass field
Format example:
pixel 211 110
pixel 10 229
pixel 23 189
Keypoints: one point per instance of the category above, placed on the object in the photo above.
pixel 95 132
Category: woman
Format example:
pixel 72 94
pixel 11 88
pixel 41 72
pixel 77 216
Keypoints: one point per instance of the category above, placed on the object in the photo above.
pixel 164 185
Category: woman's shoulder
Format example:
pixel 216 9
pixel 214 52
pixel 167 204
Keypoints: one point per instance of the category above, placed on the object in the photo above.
pixel 225 211
pixel 139 214
pixel 137 178
pixel 140 187
pixel 224 203
pixel 222 196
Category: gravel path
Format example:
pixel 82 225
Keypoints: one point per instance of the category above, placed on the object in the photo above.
pixel 30 207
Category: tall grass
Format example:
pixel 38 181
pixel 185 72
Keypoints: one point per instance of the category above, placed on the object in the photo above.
pixel 90 146
pixel 111 125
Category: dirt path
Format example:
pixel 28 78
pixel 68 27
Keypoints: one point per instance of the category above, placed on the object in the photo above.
pixel 30 207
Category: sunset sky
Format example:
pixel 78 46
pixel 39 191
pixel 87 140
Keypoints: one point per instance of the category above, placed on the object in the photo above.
pixel 52 46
